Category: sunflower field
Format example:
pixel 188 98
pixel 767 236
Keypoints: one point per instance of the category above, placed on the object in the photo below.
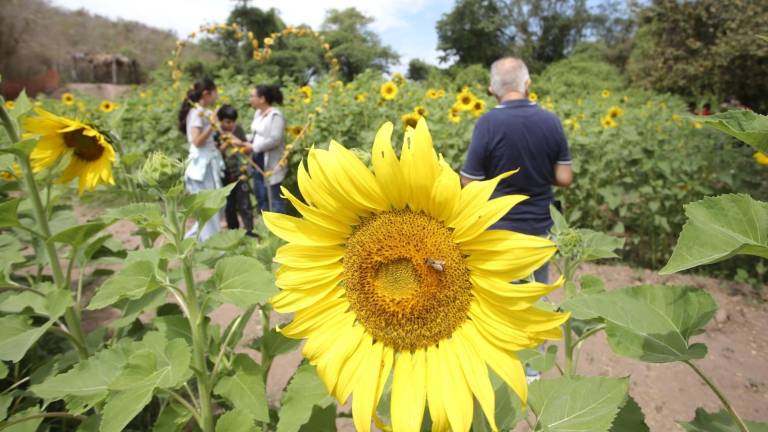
pixel 384 276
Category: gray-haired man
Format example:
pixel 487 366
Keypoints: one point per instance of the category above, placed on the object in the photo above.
pixel 519 134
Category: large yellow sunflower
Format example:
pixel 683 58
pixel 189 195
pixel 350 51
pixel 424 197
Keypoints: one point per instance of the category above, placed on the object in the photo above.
pixel 91 153
pixel 388 90
pixel 395 272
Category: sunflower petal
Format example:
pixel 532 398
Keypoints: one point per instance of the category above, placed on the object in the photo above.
pixel 505 364
pixel 300 256
pixel 288 301
pixel 364 399
pixel 435 392
pixel 476 374
pixel 458 401
pixel 356 179
pixel 486 215
pixel 352 369
pixel 474 195
pixel 445 193
pixel 409 392
pixel 387 167
pixel 314 214
pixel 300 231
pixel 310 319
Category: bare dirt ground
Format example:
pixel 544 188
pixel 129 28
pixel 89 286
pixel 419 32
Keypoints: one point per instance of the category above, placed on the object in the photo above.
pixel 737 340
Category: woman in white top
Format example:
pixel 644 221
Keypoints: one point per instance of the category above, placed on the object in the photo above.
pixel 268 141
pixel 205 164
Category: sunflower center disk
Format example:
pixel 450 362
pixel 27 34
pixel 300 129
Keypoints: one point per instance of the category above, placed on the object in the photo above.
pixel 85 147
pixel 406 279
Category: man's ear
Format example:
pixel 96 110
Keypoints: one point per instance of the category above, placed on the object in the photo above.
pixel 490 91
pixel 527 85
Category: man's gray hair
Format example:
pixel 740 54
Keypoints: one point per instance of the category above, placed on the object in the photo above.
pixel 508 74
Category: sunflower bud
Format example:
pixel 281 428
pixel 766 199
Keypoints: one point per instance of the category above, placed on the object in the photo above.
pixel 160 171
pixel 570 244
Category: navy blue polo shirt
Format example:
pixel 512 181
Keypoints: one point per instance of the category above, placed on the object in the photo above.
pixel 519 134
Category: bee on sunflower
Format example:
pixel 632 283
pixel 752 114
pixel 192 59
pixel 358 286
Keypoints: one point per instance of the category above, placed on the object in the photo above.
pixel 388 91
pixel 394 272
pixel 68 99
pixel 91 153
pixel 107 106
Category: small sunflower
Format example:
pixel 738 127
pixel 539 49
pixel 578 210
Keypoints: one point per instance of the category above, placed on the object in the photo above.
pixel 295 131
pixel 605 93
pixel 478 107
pixel 360 97
pixel 410 119
pixel 615 111
pixel 761 158
pixel 268 41
pixel 107 106
pixel 306 91
pixel 11 175
pixel 696 124
pixel 398 78
pixel 465 100
pixel 91 153
pixel 454 115
pixel 68 99
pixel 440 93
pixel 388 90
pixel 9 104
pixel 395 273
pixel 420 110
pixel 608 122
pixel 533 97
pixel 432 94
pixel 572 123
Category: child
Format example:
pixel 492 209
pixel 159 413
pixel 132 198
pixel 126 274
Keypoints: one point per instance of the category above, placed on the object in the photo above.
pixel 236 151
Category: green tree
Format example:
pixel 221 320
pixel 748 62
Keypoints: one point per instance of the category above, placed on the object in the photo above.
pixel 703 48
pixel 419 70
pixel 474 32
pixel 355 46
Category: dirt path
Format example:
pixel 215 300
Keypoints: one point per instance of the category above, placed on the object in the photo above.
pixel 737 340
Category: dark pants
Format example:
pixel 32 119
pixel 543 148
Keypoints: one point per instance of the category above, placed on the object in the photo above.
pixel 239 201
pixel 263 195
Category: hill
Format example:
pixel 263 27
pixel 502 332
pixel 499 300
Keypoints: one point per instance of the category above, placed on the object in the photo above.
pixel 35 35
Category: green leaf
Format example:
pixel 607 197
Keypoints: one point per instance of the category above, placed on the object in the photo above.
pixel 274 343
pixel 5 402
pixel 172 418
pixel 26 426
pixel 591 284
pixel 560 224
pixel 719 228
pixel 303 392
pixel 243 281
pixel 78 234
pixel 747 126
pixel 225 240
pixel 509 408
pixel 3 370
pixel 204 204
pixel 649 322
pixel 132 309
pixel 10 253
pixel 719 422
pixel 87 382
pixel 173 326
pixel 587 404
pixel 147 215
pixel 22 148
pixel 144 372
pixel 630 418
pixel 245 390
pixel 597 245
pixel 132 282
pixel 17 335
pixel 8 211
pixel 91 424
pixel 540 361
pixel 237 421
pixel 322 419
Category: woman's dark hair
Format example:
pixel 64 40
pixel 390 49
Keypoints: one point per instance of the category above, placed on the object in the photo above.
pixel 193 95
pixel 271 93
pixel 227 112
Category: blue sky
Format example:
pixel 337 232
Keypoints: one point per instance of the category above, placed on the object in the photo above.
pixel 406 25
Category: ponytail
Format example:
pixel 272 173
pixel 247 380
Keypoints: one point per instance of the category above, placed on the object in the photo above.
pixel 193 95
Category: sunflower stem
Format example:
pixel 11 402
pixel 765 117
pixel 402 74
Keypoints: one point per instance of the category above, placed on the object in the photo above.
pixel 71 317
pixel 739 422
pixel 196 324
